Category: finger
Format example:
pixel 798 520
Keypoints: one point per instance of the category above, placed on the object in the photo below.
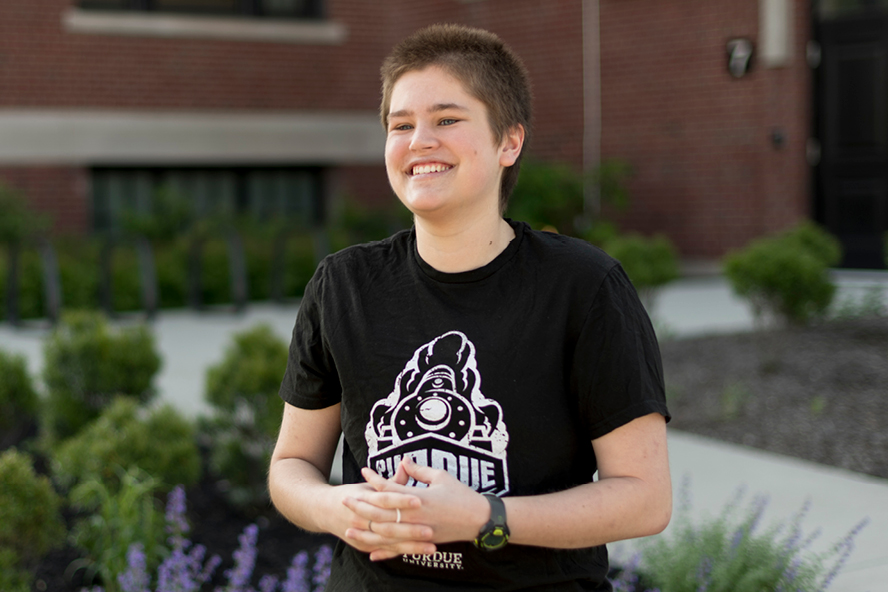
pixel 401 477
pixel 384 554
pixel 380 508
pixel 404 499
pixel 420 472
pixel 388 532
pixel 403 538
pixel 390 485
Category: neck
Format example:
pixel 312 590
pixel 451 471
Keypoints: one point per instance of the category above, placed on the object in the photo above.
pixel 462 247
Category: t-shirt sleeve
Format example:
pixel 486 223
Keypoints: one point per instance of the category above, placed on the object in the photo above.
pixel 618 374
pixel 311 380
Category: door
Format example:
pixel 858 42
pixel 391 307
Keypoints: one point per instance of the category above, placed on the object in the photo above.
pixel 852 105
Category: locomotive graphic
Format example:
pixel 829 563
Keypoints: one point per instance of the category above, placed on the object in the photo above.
pixel 438 415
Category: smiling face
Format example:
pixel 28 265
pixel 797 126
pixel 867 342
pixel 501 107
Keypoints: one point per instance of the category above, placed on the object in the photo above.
pixel 441 155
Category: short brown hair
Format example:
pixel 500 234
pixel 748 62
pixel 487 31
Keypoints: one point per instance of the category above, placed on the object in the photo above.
pixel 484 64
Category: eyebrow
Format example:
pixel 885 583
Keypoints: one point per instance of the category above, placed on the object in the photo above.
pixel 437 107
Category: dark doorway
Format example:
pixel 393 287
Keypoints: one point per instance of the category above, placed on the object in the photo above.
pixel 852 124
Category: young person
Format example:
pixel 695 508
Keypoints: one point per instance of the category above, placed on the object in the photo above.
pixel 481 372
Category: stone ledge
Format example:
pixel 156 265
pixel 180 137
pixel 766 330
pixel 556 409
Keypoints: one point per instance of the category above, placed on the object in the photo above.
pixel 92 22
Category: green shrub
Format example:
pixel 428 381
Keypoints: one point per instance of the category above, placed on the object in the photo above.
pixel 548 195
pixel 649 262
pixel 79 272
pixel 113 519
pixel 160 442
pixel 731 554
pixel 17 221
pixel 552 195
pixel 300 262
pixel 786 276
pixel 243 390
pixel 354 222
pixel 87 363
pixel 18 399
pixel 30 302
pixel 600 233
pixel 816 241
pixel 171 263
pixel 12 577
pixel 30 522
pixel 215 273
pixel 171 215
pixel 258 255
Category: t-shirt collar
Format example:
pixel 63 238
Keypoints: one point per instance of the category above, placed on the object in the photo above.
pixel 473 275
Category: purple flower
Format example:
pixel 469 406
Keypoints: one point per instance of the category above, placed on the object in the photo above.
pixel 703 572
pixel 844 548
pixel 186 572
pixel 759 503
pixel 268 584
pixel 176 524
pixel 135 578
pixel 628 578
pixel 297 574
pixel 244 561
pixel 321 569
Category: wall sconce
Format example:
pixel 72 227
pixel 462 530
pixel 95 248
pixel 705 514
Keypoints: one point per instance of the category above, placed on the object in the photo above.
pixel 739 56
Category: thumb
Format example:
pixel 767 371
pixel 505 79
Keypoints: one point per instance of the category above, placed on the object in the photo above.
pixel 418 472
pixel 401 477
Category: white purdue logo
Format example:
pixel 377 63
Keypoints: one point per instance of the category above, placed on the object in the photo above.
pixel 439 560
pixel 438 415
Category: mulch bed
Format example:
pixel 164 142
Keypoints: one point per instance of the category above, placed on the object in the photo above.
pixel 817 393
pixel 216 525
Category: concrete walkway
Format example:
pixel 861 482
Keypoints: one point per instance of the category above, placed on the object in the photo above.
pixel 839 499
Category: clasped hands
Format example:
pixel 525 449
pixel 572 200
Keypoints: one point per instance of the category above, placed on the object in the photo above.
pixel 388 518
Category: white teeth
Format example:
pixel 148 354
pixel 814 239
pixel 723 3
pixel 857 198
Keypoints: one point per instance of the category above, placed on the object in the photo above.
pixel 423 169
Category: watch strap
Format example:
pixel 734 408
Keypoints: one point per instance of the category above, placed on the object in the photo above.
pixel 495 534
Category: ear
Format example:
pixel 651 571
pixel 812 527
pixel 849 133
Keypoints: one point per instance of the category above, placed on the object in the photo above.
pixel 511 146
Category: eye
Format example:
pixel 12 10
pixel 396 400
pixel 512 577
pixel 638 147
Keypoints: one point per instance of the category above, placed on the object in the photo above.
pixel 400 127
pixel 447 121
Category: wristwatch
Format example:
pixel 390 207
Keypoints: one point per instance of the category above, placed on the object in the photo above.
pixel 495 534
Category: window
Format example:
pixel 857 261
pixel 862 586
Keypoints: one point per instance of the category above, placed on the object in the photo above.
pixel 300 9
pixel 262 193
pixel 827 9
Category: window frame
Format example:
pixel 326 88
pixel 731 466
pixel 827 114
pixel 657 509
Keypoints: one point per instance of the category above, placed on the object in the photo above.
pixel 314 9
pixel 103 222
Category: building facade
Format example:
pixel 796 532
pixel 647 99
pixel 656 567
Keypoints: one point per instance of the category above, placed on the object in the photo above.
pixel 270 106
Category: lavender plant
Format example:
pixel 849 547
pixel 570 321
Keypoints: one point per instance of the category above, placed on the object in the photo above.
pixel 729 554
pixel 118 518
pixel 186 568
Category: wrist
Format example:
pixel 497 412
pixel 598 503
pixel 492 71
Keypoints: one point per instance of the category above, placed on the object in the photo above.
pixel 480 515
pixel 494 535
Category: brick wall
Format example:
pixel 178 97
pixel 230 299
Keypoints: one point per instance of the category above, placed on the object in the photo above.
pixel 42 65
pixel 707 172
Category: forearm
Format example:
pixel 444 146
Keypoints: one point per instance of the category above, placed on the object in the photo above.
pixel 300 492
pixel 632 498
pixel 602 512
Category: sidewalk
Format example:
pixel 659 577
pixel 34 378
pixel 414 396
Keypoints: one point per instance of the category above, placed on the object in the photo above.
pixel 190 342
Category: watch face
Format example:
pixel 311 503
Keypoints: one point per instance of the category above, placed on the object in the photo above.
pixel 495 539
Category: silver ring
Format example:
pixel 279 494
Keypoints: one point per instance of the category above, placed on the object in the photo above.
pixel 398 510
pixel 370 525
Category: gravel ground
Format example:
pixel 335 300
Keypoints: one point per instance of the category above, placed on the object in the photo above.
pixel 818 393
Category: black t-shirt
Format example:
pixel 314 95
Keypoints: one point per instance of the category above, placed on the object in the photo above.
pixel 502 376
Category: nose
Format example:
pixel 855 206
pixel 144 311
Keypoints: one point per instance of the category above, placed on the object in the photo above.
pixel 423 138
